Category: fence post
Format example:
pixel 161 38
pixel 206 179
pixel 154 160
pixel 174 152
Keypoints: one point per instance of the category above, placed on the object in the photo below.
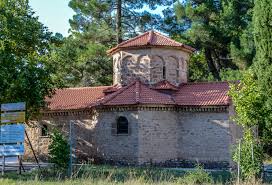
pixel 3 164
pixel 70 170
pixel 239 158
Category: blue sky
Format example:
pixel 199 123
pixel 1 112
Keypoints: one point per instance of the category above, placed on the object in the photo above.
pixel 55 14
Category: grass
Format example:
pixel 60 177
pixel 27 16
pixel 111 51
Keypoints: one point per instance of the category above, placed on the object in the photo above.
pixel 109 175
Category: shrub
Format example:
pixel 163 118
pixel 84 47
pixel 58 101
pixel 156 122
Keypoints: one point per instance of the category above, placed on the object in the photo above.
pixel 59 150
pixel 250 156
pixel 198 176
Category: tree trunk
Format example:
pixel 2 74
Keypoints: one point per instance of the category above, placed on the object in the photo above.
pixel 119 21
pixel 211 65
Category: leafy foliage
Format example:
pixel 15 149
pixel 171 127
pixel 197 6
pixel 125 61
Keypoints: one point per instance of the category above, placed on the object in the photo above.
pixel 58 150
pixel 93 14
pixel 198 68
pixel 215 27
pixel 251 156
pixel 263 64
pixel 26 73
pixel 198 176
pixel 248 100
pixel 82 62
pixel 252 97
pixel 231 75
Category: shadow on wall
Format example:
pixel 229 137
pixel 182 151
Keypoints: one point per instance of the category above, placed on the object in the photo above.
pixel 94 140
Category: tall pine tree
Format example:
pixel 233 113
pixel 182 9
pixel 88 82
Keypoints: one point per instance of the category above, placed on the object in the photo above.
pixel 124 17
pixel 213 26
pixel 262 21
pixel 97 26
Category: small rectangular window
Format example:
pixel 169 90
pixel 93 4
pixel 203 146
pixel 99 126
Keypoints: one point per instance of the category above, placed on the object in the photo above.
pixel 44 130
pixel 122 125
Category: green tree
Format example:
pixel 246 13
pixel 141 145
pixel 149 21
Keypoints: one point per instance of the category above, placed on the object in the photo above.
pixel 96 27
pixel 123 17
pixel 26 73
pixel 252 97
pixel 231 75
pixel 249 156
pixel 214 26
pixel 263 62
pixel 198 69
pixel 248 101
pixel 58 150
pixel 82 62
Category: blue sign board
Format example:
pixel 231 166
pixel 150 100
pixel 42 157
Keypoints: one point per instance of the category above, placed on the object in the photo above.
pixel 13 106
pixel 12 150
pixel 12 133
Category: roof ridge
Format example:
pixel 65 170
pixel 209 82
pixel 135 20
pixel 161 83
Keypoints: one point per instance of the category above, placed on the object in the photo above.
pixel 212 82
pixel 164 82
pixel 137 92
pixel 168 38
pixel 155 90
pixel 132 39
pixel 150 37
pixel 110 97
pixel 181 44
pixel 90 87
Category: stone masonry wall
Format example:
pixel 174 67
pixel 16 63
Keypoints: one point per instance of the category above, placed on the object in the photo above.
pixel 158 136
pixel 204 137
pixel 94 140
pixel 148 65
pixel 83 128
pixel 154 136
pixel 114 147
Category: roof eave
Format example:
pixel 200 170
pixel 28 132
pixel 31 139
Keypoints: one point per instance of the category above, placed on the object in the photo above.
pixel 185 48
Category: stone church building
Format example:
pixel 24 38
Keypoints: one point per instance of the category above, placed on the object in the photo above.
pixel 150 115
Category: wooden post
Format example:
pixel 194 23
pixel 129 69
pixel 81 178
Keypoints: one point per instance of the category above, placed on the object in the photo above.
pixel 20 164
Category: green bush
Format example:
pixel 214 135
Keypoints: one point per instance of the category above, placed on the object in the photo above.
pixel 198 176
pixel 59 150
pixel 250 166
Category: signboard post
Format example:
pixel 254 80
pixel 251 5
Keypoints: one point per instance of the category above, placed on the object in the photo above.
pixel 12 131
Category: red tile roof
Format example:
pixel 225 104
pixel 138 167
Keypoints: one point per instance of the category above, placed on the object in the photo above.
pixel 151 38
pixel 188 94
pixel 75 98
pixel 203 94
pixel 137 93
pixel 112 89
pixel 165 85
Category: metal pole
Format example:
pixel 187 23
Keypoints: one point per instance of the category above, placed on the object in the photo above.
pixel 70 170
pixel 252 152
pixel 32 150
pixel 3 165
pixel 239 158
